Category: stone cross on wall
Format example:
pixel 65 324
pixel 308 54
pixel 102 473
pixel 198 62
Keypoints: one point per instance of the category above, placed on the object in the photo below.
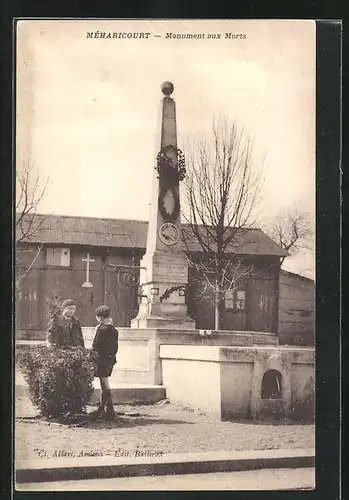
pixel 88 260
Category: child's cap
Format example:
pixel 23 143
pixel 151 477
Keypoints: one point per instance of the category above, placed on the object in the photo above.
pixel 103 311
pixel 67 303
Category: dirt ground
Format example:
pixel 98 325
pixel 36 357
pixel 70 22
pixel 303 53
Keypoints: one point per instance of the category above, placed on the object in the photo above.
pixel 162 428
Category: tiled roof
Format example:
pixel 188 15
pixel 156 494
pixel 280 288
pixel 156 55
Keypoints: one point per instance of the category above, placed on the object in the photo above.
pixel 126 233
pixel 284 272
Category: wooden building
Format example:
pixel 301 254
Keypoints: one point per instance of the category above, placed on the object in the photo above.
pixel 91 260
pixel 296 309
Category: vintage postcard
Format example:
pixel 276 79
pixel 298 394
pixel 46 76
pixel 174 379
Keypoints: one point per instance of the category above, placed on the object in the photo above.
pixel 165 254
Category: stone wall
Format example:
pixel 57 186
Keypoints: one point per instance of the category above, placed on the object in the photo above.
pixel 227 381
pixel 139 349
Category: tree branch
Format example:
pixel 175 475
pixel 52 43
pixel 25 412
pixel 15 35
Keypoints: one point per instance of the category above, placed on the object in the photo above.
pixel 19 278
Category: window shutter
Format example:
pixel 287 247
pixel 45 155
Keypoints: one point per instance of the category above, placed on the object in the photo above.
pixel 58 256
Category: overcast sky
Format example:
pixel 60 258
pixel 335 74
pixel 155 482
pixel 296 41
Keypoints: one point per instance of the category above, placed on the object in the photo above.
pixel 87 108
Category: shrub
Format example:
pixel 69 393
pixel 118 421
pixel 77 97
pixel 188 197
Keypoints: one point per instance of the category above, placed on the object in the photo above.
pixel 59 380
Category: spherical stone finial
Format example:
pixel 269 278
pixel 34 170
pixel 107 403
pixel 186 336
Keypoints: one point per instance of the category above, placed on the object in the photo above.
pixel 167 88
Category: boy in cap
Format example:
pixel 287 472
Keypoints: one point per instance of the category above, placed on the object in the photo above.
pixel 65 331
pixel 104 348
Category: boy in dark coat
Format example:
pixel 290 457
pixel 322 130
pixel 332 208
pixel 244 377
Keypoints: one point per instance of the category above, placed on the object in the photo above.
pixel 65 330
pixel 104 349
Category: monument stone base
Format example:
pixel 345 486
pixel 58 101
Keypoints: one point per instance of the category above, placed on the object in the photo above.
pixel 184 323
pixel 163 277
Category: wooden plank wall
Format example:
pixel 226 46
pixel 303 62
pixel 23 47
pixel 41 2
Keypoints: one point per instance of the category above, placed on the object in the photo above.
pixel 296 309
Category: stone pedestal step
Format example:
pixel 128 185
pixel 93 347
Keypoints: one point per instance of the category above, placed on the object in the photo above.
pixel 133 394
pixel 121 393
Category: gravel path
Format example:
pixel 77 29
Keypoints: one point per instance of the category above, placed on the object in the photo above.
pixel 163 428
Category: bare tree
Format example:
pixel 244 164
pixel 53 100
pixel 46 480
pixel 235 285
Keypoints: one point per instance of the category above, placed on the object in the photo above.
pixel 222 190
pixel 293 231
pixel 30 190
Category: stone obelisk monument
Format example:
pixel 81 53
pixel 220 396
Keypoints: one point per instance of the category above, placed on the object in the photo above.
pixel 165 272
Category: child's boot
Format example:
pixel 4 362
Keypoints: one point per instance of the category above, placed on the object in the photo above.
pixel 109 413
pixel 99 411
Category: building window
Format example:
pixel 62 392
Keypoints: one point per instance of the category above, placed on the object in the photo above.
pixel 235 300
pixel 240 299
pixel 58 257
pixel 229 299
pixel 272 385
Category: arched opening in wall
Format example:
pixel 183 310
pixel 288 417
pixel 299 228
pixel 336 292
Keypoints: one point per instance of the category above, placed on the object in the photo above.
pixel 272 385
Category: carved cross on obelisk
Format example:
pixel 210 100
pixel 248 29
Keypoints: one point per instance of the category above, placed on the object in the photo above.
pixel 165 276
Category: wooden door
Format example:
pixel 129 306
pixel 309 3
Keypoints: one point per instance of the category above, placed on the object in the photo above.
pixel 27 305
pixel 204 312
pixel 262 305
pixel 121 296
